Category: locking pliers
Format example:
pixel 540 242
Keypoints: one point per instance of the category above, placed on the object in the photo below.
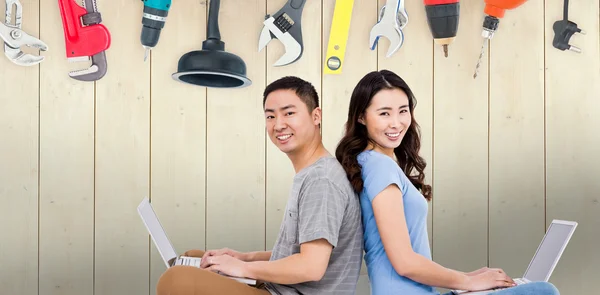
pixel 14 38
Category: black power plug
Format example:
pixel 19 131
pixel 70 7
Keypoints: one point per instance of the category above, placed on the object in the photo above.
pixel 564 30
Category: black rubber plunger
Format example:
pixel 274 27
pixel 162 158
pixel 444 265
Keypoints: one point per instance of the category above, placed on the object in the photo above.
pixel 212 66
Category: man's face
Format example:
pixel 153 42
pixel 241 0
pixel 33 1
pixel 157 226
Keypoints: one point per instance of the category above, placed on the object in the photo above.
pixel 288 122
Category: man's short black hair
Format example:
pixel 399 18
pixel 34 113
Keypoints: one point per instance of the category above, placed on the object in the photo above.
pixel 304 89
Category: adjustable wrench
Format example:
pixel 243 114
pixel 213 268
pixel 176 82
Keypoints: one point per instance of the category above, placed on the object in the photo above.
pixel 392 19
pixel 14 38
pixel 85 38
pixel 285 25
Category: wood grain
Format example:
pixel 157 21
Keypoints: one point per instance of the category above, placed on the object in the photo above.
pixel 122 156
pixel 460 169
pixel 19 120
pixel 572 143
pixel 66 168
pixel 516 159
pixel 235 209
pixel 178 136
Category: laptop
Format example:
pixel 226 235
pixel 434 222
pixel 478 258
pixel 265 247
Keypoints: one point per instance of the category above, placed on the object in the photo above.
pixel 164 246
pixel 545 258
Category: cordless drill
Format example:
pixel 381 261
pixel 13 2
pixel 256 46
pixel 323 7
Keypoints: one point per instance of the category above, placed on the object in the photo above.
pixel 153 20
pixel 442 18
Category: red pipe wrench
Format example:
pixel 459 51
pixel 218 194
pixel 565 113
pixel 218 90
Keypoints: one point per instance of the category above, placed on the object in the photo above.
pixel 85 38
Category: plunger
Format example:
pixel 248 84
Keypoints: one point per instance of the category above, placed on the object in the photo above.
pixel 212 66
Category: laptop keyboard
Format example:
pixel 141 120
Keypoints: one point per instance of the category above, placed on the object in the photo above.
pixel 189 261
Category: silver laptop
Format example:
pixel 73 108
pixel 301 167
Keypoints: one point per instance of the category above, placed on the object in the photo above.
pixel 545 258
pixel 163 244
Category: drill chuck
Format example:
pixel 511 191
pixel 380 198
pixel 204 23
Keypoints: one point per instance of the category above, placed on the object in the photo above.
pixel 153 21
pixel 490 25
pixel 443 20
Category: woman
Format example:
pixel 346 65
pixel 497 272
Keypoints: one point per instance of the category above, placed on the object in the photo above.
pixel 380 153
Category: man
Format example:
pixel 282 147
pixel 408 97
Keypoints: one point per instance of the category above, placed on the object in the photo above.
pixel 320 244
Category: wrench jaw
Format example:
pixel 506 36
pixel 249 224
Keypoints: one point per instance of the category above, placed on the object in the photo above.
pixel 95 72
pixel 293 48
pixel 265 38
pixel 394 35
pixel 293 51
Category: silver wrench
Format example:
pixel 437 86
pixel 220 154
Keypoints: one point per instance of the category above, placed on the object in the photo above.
pixel 392 19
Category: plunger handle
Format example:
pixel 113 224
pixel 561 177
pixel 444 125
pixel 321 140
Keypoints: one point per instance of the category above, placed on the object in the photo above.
pixel 212 28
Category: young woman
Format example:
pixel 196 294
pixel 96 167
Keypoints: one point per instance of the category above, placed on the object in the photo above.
pixel 380 154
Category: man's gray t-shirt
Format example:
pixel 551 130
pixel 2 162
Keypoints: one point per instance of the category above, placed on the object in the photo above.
pixel 323 205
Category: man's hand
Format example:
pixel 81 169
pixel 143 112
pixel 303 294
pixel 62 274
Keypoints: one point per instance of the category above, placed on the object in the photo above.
pixel 220 252
pixel 226 264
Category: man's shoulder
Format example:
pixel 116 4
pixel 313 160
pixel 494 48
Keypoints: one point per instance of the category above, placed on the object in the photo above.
pixel 327 170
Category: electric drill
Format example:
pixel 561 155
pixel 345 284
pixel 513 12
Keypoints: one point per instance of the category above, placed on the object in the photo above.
pixel 442 18
pixel 494 10
pixel 153 20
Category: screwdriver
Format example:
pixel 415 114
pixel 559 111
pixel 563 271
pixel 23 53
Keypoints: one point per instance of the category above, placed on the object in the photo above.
pixel 442 18
pixel 153 20
pixel 494 10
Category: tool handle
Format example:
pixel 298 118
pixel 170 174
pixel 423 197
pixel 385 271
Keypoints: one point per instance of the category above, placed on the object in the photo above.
pixel 293 8
pixel 212 28
pixel 79 40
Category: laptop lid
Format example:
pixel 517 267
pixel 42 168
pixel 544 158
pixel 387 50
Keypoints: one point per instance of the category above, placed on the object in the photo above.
pixel 550 250
pixel 158 234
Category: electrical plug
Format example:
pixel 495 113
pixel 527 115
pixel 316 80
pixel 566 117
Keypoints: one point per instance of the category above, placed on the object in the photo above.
pixel 563 31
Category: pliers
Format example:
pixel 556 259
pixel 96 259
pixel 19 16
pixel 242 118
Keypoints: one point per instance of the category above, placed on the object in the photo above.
pixel 14 38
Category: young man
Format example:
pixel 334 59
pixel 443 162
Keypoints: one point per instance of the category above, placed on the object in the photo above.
pixel 319 249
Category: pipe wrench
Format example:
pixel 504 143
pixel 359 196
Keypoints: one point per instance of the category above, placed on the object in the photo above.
pixel 392 20
pixel 85 38
pixel 14 37
pixel 285 25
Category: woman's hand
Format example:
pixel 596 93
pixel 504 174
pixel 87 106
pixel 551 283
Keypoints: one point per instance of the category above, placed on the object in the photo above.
pixel 489 278
pixel 476 272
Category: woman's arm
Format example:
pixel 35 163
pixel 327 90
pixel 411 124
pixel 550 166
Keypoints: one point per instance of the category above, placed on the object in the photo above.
pixel 388 209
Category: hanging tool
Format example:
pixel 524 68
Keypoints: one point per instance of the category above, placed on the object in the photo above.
pixel 153 21
pixel 564 30
pixel 392 20
pixel 338 37
pixel 14 38
pixel 442 18
pixel 494 10
pixel 285 25
pixel 85 38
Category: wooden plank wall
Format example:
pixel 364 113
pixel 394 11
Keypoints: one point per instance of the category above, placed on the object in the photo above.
pixel 507 152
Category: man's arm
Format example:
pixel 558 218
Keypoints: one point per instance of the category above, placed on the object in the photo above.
pixel 308 265
pixel 257 256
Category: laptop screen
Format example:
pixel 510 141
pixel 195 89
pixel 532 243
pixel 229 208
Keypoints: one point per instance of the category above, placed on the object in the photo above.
pixel 549 251
pixel 161 241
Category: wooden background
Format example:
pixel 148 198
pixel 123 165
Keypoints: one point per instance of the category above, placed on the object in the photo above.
pixel 507 152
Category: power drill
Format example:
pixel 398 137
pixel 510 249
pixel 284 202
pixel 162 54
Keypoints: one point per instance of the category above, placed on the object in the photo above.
pixel 153 20
pixel 442 18
pixel 494 11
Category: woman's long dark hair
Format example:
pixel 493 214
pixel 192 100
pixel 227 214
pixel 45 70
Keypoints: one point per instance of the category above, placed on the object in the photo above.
pixel 356 139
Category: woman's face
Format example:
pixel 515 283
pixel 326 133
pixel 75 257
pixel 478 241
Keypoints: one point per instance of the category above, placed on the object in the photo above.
pixel 387 119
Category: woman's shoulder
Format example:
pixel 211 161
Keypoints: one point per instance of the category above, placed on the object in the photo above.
pixel 374 159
